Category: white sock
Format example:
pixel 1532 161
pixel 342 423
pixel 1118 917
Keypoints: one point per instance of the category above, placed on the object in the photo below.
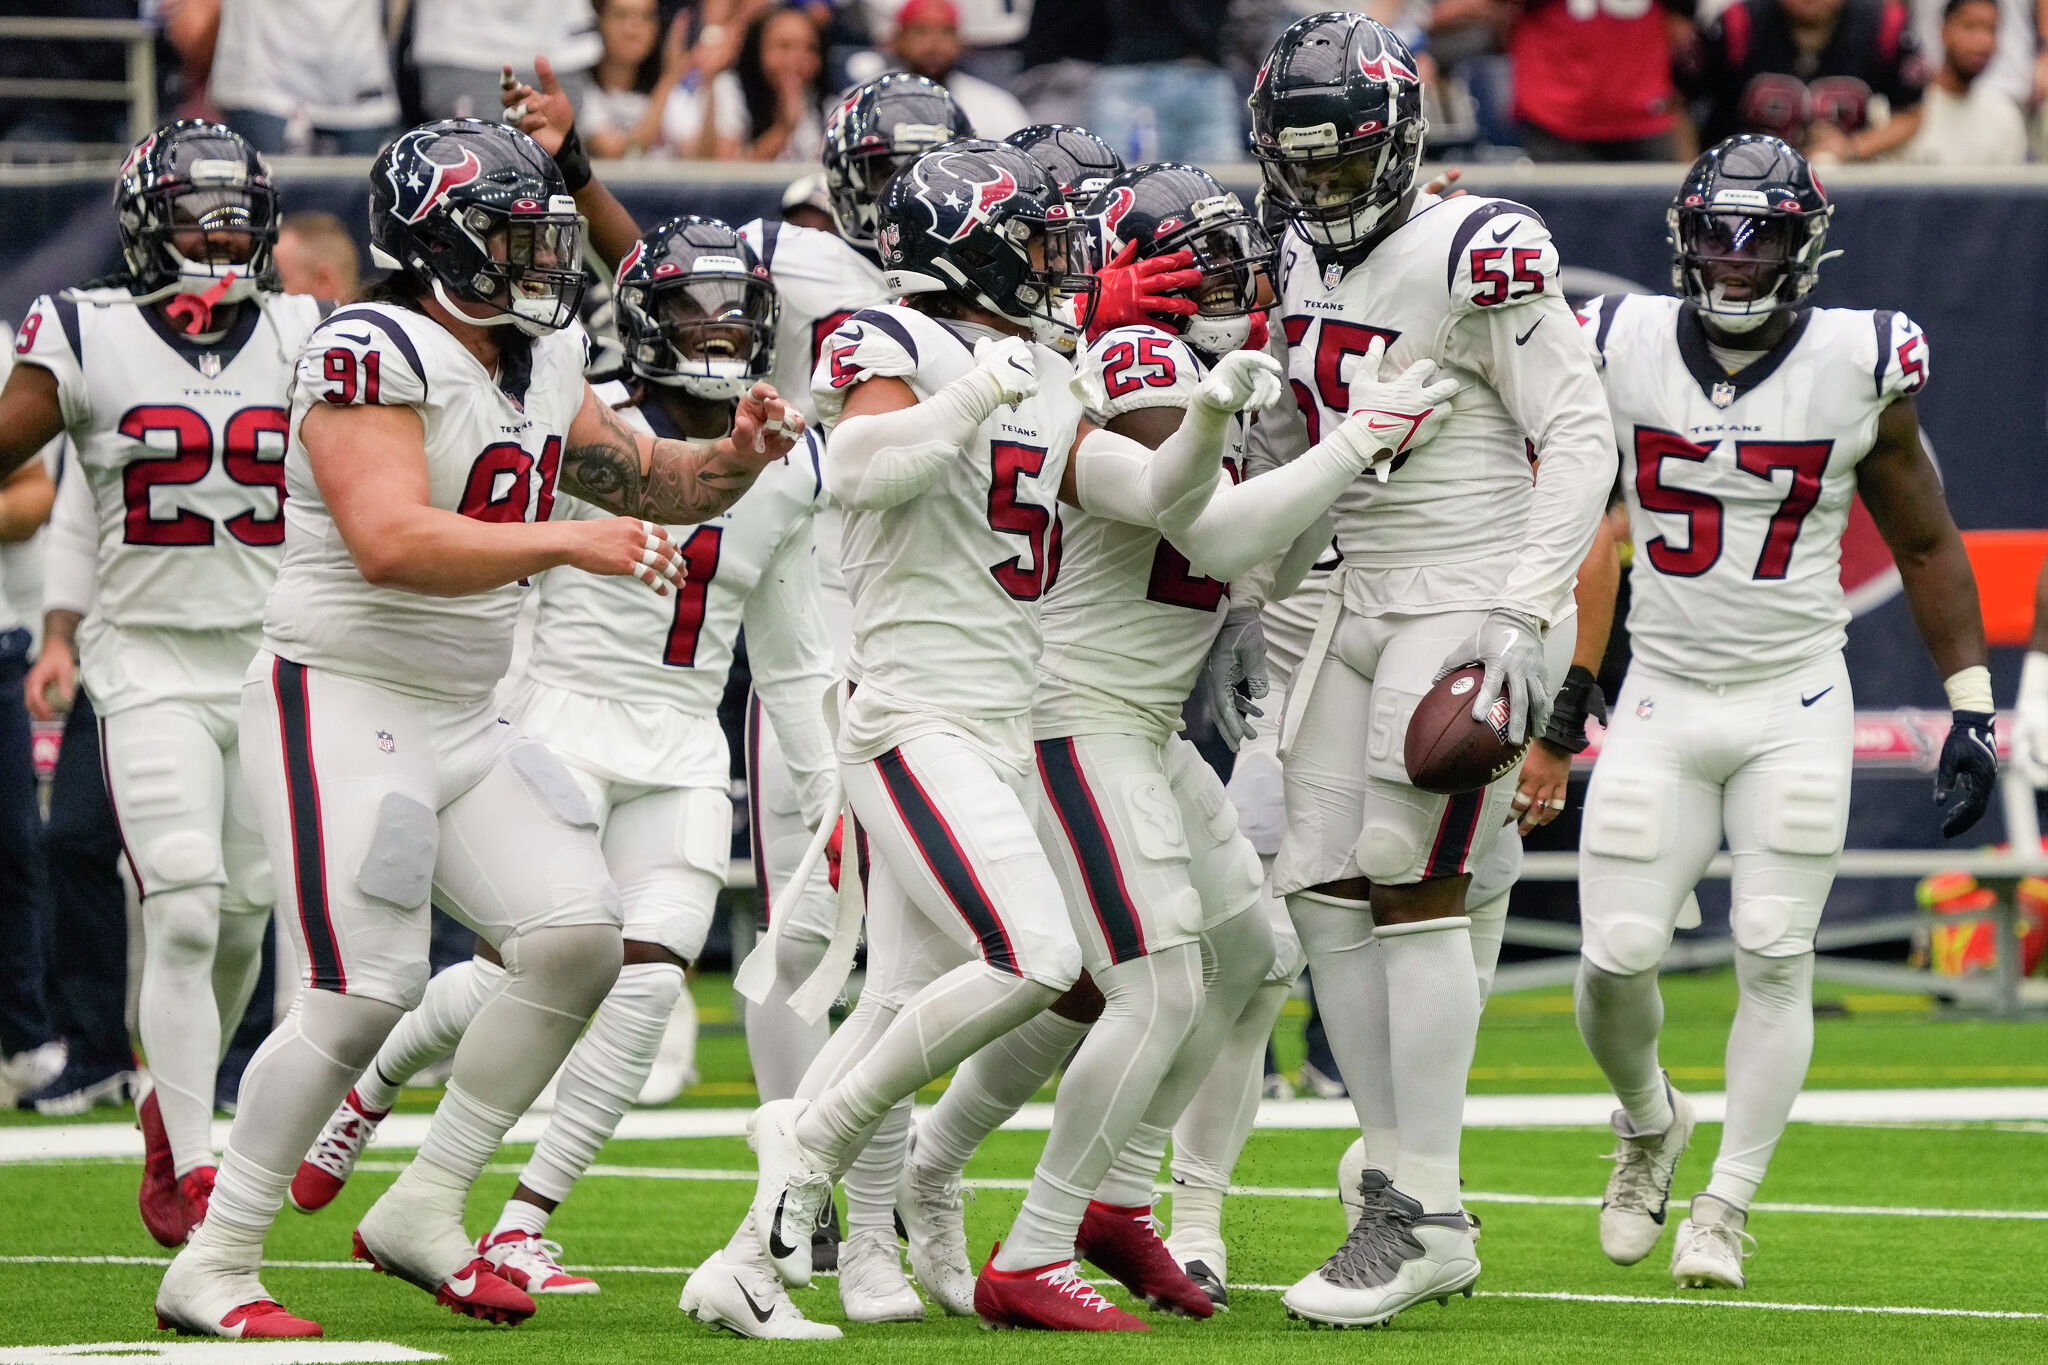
pixel 780 1044
pixel 1619 1018
pixel 178 1018
pixel 520 1216
pixel 1149 1007
pixel 1347 965
pixel 431 1032
pixel 1433 1022
pixel 1212 1129
pixel 992 1085
pixel 1134 1174
pixel 1768 1051
pixel 1489 925
pixel 603 1075
pixel 871 1181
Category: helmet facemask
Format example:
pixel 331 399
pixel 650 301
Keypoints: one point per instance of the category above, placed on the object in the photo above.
pixel 855 190
pixel 1233 254
pixel 212 233
pixel 532 273
pixel 1740 268
pixel 1058 293
pixel 1338 191
pixel 710 333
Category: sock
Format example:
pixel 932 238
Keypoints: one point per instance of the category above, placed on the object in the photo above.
pixel 555 979
pixel 1433 1022
pixel 1348 967
pixel 520 1216
pixel 292 1086
pixel 992 1085
pixel 943 1024
pixel 1135 1172
pixel 781 1045
pixel 237 963
pixel 1212 1129
pixel 1768 1051
pixel 871 1180
pixel 431 1032
pixel 1149 1007
pixel 1619 1018
pixel 1489 925
pixel 603 1075
pixel 178 1018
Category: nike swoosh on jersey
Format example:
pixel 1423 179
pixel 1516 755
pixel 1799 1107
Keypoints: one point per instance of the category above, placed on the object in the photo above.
pixel 1501 233
pixel 776 1246
pixel 363 340
pixel 1808 701
pixel 760 1314
pixel 1523 339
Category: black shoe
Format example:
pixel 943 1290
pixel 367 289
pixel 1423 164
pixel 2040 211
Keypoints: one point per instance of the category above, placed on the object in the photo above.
pixel 1208 1282
pixel 825 1240
pixel 80 1088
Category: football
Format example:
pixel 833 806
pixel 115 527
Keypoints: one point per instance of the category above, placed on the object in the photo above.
pixel 1447 751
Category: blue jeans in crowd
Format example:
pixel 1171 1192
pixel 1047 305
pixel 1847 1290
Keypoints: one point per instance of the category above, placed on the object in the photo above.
pixel 1170 111
pixel 24 889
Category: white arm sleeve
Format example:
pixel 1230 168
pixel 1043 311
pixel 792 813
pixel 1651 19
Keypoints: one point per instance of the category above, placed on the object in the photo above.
pixel 1244 524
pixel 880 459
pixel 792 663
pixel 71 558
pixel 1118 478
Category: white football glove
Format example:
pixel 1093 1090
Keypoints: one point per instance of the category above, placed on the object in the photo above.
pixel 1395 416
pixel 1009 362
pixel 1510 646
pixel 1236 670
pixel 1243 381
pixel 2030 721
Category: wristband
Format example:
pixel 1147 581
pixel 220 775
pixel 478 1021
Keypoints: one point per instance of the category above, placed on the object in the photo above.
pixel 1577 699
pixel 572 161
pixel 1969 689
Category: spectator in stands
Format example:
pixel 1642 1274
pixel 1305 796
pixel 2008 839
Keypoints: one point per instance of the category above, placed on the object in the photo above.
pixel 288 71
pixel 1964 119
pixel 927 43
pixel 1819 73
pixel 2014 68
pixel 1162 94
pixel 31 1055
pixel 990 32
pixel 315 255
pixel 460 46
pixel 777 84
pixel 647 96
pixel 1593 82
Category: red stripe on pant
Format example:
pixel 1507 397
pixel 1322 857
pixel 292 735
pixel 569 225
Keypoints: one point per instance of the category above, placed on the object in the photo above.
pixel 1454 835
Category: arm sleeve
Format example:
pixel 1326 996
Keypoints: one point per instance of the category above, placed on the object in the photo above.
pixel 71 551
pixel 1246 523
pixel 1165 489
pixel 792 662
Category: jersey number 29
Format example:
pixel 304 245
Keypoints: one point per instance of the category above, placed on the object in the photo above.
pixel 242 454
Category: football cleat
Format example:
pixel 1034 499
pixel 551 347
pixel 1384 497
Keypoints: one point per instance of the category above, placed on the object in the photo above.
pixel 333 1158
pixel 398 1237
pixel 1396 1257
pixel 1711 1246
pixel 196 1188
pixel 1051 1297
pixel 29 1070
pixel 872 1285
pixel 747 1299
pixel 791 1192
pixel 203 1296
pixel 531 1263
pixel 162 1202
pixel 1632 1211
pixel 1203 1259
pixel 934 1224
pixel 825 1240
pixel 79 1089
pixel 472 1291
pixel 1124 1241
pixel 1320 1084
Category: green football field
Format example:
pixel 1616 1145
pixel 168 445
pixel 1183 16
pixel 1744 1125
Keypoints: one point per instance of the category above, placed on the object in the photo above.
pixel 1916 1239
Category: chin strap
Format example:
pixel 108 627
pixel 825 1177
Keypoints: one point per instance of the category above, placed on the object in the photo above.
pixel 195 311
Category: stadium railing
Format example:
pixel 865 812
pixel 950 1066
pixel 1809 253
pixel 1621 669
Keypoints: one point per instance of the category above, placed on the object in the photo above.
pixel 137 90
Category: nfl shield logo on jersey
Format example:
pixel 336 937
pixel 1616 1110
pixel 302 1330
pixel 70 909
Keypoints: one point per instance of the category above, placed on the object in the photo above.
pixel 1645 707
pixel 386 743
pixel 1724 394
pixel 209 365
pixel 1333 274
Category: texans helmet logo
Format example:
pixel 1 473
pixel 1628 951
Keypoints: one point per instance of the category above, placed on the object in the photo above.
pixel 971 213
pixel 1121 202
pixel 418 182
pixel 632 259
pixel 1386 67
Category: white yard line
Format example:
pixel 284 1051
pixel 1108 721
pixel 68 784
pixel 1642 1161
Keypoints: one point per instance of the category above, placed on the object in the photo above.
pixel 1558 1295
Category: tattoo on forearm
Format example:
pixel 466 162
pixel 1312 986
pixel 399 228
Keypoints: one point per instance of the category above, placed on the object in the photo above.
pixel 684 482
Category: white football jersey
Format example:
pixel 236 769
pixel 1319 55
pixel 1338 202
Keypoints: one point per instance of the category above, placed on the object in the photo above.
pixel 820 281
pixel 1739 486
pixel 946 586
pixel 182 445
pixel 1447 285
pixel 1129 623
pixel 494 448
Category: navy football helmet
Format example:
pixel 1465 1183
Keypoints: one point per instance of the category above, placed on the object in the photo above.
pixel 964 218
pixel 479 214
pixel 696 309
pixel 190 177
pixel 1166 208
pixel 876 130
pixel 1748 231
pixel 1079 162
pixel 1337 126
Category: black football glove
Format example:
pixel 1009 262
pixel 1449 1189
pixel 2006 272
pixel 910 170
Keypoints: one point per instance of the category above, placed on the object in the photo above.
pixel 1577 699
pixel 1968 772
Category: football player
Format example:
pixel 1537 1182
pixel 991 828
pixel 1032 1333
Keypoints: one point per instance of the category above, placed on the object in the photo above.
pixel 429 430
pixel 1748 421
pixel 624 686
pixel 170 378
pixel 1459 554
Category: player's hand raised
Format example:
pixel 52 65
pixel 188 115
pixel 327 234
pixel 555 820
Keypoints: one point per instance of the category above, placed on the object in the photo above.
pixel 1008 361
pixel 1243 381
pixel 618 546
pixel 546 114
pixel 764 427
pixel 1395 416
pixel 1968 772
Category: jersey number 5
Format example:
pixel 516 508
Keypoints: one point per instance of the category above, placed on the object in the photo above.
pixel 1038 524
pixel 700 560
pixel 243 454
pixel 1704 513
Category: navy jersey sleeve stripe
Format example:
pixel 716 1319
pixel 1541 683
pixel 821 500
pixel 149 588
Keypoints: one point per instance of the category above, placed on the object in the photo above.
pixel 891 327
pixel 1609 306
pixel 1882 319
pixel 391 330
pixel 1485 213
pixel 67 318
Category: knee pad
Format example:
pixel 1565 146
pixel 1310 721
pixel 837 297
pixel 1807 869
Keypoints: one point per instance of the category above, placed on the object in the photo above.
pixel 398 865
pixel 1774 927
pixel 1239 953
pixel 1624 945
pixel 649 989
pixel 553 787
pixel 575 964
pixel 183 924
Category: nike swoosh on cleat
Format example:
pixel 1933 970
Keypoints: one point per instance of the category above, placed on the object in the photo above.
pixel 1500 234
pixel 1808 701
pixel 761 1315
pixel 778 1248
pixel 462 1286
pixel 1523 339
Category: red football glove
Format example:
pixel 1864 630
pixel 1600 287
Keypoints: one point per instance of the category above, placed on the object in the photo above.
pixel 833 849
pixel 1130 290
pixel 1261 333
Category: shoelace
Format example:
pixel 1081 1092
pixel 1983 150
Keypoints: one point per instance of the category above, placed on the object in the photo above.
pixel 335 1152
pixel 1066 1280
pixel 540 1251
pixel 1374 1238
pixel 1727 1239
pixel 1637 1172
pixel 948 1215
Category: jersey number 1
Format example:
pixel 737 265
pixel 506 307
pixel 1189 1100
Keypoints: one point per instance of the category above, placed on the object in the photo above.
pixel 700 560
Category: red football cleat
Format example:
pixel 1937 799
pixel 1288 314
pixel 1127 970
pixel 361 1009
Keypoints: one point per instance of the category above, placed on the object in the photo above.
pixel 532 1263
pixel 196 1186
pixel 1053 1297
pixel 263 1320
pixel 474 1291
pixel 162 1203
pixel 1125 1242
pixel 333 1158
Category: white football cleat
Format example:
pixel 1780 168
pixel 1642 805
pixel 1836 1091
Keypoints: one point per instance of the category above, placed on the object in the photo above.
pixel 1632 1211
pixel 414 1233
pixel 1711 1246
pixel 675 1065
pixel 872 1285
pixel 749 1300
pixel 934 1223
pixel 206 1293
pixel 1396 1257
pixel 789 1194
pixel 532 1263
